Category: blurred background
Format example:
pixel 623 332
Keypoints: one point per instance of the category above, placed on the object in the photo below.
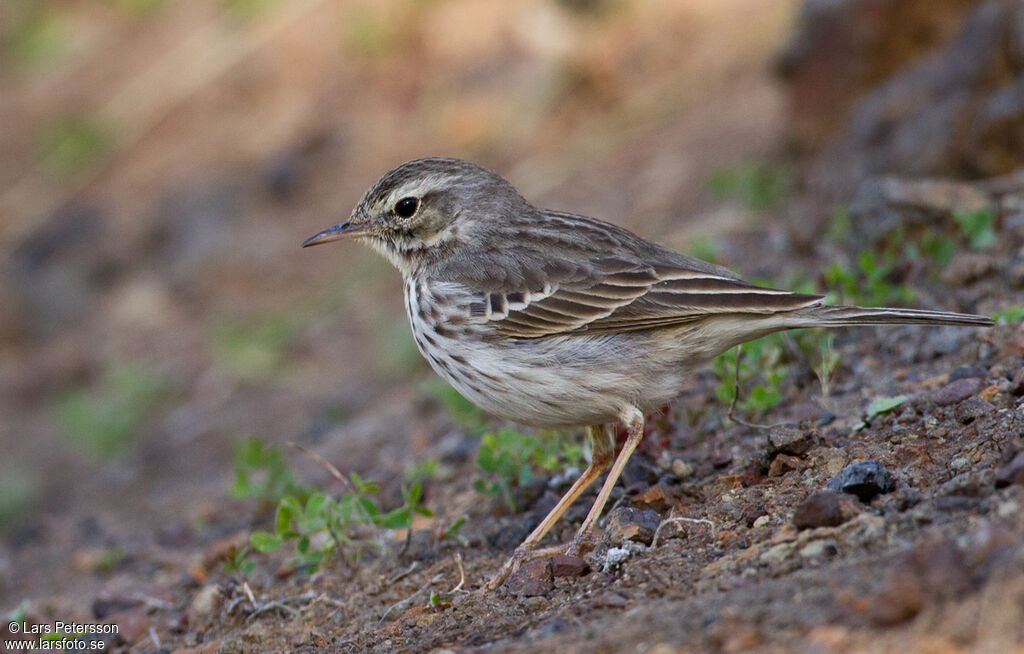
pixel 161 161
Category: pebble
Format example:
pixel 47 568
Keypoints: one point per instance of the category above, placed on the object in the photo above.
pixel 784 463
pixel 820 550
pixel 821 509
pixel 681 469
pixel 615 556
pixel 958 391
pixel 1011 473
pixel 778 553
pixel 761 522
pixel 564 565
pixel 201 611
pixel 971 409
pixel 865 479
pixel 533 578
pixel 790 441
pixel 628 524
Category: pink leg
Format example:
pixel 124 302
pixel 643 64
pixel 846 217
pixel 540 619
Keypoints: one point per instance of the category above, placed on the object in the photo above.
pixel 603 447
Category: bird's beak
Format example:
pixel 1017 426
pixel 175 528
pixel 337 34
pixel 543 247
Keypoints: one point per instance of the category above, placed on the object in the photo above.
pixel 345 230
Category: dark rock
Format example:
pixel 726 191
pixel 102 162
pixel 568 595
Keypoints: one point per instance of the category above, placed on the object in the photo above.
pixel 1012 472
pixel 563 565
pixel 532 579
pixel 971 409
pixel 822 509
pixel 790 441
pixel 967 372
pixel 958 391
pixel 626 523
pixel 865 479
pixel 825 419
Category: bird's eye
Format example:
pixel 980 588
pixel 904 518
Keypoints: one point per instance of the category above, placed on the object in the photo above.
pixel 406 207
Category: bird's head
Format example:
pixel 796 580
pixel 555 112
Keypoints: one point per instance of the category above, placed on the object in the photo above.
pixel 425 209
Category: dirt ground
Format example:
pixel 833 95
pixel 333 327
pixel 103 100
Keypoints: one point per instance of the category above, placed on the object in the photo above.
pixel 159 311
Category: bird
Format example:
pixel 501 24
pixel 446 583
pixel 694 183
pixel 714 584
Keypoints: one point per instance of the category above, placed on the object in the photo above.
pixel 557 320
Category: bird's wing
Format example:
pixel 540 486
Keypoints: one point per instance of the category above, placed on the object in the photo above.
pixel 629 300
pixel 632 285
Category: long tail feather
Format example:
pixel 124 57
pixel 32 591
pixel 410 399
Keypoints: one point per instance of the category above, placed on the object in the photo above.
pixel 847 316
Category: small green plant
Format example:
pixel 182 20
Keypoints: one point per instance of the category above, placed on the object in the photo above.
pixel 703 247
pixel 1009 315
pixel 254 351
pixel 937 248
pixel 72 145
pixel 323 525
pixel 762 360
pixel 236 560
pixel 881 405
pixel 105 421
pixel 38 37
pixel 509 459
pixel 868 283
pixel 979 227
pixel 262 474
pixel 760 187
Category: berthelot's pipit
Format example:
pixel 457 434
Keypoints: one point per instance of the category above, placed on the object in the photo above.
pixel 555 320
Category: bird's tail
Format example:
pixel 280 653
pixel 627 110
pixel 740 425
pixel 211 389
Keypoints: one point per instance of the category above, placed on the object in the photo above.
pixel 847 316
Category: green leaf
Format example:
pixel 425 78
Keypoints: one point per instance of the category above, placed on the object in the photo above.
pixel 265 542
pixel 881 405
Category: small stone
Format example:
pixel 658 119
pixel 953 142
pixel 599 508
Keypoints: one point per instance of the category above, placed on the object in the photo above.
pixel 656 497
pixel 761 522
pixel 820 550
pixel 778 553
pixel 989 393
pixel 201 611
pixel 900 601
pixel 822 509
pixel 790 441
pixel 563 565
pixel 1011 473
pixel 971 409
pixel 967 372
pixel 533 578
pixel 681 469
pixel 960 463
pixel 615 556
pixel 958 391
pixel 865 479
pixel 784 463
pixel 628 524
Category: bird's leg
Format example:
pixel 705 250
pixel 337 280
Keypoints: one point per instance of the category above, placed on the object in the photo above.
pixel 602 445
pixel 633 420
